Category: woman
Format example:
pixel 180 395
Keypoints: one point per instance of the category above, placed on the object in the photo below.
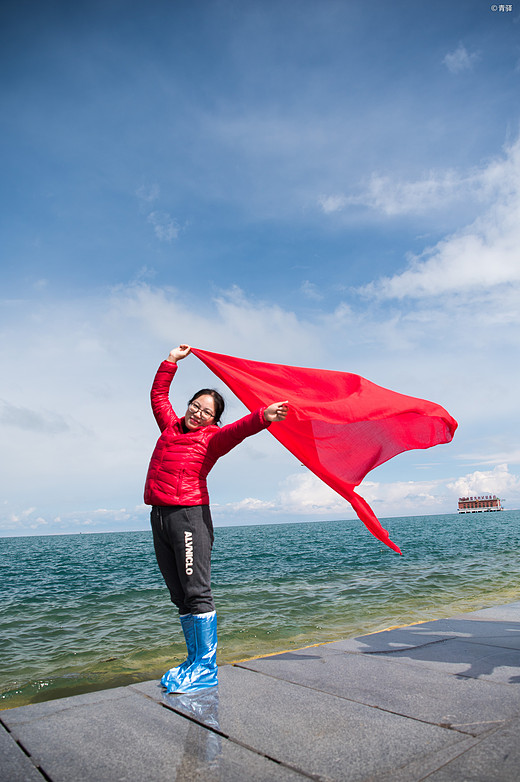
pixel 181 521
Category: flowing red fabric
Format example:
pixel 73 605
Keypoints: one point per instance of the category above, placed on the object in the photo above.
pixel 339 425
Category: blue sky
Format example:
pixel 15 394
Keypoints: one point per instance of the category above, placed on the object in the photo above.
pixel 330 184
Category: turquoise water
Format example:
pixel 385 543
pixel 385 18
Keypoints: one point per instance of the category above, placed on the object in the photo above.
pixel 85 612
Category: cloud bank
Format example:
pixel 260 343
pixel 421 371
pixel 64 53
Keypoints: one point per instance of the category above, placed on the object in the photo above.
pixel 74 413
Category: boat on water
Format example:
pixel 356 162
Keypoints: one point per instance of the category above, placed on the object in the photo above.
pixel 481 504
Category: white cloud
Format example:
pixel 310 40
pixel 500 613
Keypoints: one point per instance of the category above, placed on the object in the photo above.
pixel 76 428
pixel 383 194
pixel 311 291
pixel 249 504
pixel 22 515
pixel 21 522
pixel 298 495
pixel 92 362
pixel 305 495
pixel 402 498
pixel 497 481
pixel 333 203
pixel 460 59
pixel 97 520
pixel 437 190
pixel 479 257
pixel 165 227
pixel 257 328
pixel 148 193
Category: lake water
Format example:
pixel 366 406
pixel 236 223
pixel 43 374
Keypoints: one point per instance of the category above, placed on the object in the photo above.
pixel 87 612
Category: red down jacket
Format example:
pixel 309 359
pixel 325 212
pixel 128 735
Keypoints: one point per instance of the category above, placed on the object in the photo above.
pixel 182 460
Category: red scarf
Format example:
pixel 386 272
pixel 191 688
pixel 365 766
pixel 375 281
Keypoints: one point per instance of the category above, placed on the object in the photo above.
pixel 339 425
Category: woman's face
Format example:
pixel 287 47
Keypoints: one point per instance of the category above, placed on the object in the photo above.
pixel 201 412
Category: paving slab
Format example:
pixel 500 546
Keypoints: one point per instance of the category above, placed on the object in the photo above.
pixel 492 632
pixel 422 768
pixel 438 700
pixel 479 630
pixel 510 611
pixel 322 735
pixel 15 766
pixel 127 738
pixel 494 759
pixel 22 714
pixel 433 696
pixel 388 640
pixel 464 658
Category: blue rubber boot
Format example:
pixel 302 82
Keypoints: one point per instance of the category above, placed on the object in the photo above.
pixel 202 673
pixel 174 675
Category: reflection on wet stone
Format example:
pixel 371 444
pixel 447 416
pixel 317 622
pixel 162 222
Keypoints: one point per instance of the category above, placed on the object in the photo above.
pixel 201 706
pixel 202 748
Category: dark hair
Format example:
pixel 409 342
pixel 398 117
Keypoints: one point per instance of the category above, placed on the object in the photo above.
pixel 217 398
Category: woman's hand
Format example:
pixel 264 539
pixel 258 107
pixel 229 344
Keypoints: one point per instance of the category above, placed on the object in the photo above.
pixel 177 353
pixel 276 412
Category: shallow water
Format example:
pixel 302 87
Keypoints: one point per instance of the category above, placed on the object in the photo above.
pixel 85 612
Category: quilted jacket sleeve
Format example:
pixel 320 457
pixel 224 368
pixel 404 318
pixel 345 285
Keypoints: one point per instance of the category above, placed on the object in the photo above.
pixel 231 435
pixel 161 406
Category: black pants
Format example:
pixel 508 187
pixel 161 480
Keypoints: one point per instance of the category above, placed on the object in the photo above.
pixel 183 539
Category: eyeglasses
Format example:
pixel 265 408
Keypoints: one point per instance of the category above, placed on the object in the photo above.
pixel 194 407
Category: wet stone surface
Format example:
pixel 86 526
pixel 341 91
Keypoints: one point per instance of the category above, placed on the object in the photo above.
pixel 439 700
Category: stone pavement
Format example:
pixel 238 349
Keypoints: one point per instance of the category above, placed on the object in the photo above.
pixel 437 701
